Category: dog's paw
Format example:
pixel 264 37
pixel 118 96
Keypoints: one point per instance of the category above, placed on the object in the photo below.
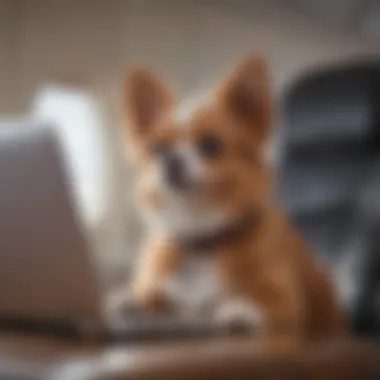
pixel 123 302
pixel 138 303
pixel 239 315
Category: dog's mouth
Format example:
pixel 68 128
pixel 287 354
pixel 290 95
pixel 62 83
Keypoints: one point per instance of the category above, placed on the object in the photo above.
pixel 185 186
pixel 180 182
pixel 204 193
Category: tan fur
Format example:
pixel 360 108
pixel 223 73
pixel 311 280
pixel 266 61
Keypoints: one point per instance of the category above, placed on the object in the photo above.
pixel 269 264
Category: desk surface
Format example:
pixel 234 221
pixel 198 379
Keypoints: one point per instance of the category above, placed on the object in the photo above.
pixel 45 358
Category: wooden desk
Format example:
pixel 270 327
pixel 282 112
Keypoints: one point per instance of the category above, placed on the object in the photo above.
pixel 42 358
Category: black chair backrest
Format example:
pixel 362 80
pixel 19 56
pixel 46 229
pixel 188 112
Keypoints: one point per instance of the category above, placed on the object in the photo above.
pixel 329 158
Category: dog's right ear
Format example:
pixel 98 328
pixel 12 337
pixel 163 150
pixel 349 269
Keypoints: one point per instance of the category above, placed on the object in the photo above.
pixel 146 100
pixel 247 96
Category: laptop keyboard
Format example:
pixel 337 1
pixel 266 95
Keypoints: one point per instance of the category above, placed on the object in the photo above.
pixel 152 328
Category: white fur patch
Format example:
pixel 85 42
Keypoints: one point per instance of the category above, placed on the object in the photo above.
pixel 194 165
pixel 240 311
pixel 179 219
pixel 195 286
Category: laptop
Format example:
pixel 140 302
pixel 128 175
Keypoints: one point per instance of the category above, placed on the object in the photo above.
pixel 48 279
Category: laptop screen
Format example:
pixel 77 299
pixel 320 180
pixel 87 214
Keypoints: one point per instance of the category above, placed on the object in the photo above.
pixel 45 267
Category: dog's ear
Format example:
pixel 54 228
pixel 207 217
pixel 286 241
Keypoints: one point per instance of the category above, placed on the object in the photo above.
pixel 246 96
pixel 146 100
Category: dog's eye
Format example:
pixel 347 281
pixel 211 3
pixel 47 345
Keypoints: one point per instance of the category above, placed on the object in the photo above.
pixel 158 147
pixel 210 146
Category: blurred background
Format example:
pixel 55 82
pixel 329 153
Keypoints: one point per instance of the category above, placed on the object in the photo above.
pixel 56 54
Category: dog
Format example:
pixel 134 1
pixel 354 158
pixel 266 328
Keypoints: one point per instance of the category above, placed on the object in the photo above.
pixel 218 243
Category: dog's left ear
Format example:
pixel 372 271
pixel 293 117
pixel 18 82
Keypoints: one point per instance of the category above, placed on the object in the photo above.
pixel 246 96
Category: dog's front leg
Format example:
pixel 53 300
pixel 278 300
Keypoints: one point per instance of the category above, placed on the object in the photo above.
pixel 157 262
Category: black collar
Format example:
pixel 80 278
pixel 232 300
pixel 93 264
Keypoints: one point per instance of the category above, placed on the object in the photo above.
pixel 222 237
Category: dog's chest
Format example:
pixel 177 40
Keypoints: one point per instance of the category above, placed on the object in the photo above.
pixel 196 285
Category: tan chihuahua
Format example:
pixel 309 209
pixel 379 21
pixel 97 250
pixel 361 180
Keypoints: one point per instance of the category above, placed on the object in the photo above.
pixel 217 241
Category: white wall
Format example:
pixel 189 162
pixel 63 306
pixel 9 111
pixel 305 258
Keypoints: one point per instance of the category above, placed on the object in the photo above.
pixel 5 51
pixel 195 43
pixel 190 43
pixel 93 40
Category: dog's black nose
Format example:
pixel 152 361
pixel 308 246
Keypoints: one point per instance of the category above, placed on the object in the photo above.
pixel 175 171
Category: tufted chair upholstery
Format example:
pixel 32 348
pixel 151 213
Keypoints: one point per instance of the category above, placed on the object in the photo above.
pixel 330 178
